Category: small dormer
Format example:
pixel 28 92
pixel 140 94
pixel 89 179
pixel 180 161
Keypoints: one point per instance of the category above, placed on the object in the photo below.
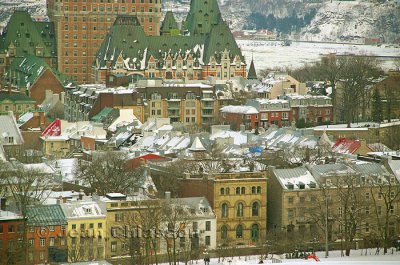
pixel 290 186
pixel 87 209
pixel 39 51
pixel 12 50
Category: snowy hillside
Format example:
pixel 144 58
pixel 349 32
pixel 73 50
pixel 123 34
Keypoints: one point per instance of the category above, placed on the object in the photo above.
pixel 352 20
pixel 37 8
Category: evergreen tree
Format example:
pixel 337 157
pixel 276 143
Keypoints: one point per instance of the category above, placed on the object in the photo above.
pixel 377 114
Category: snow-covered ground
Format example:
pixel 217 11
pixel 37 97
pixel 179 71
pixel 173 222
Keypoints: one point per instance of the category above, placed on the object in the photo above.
pixel 334 259
pixel 271 54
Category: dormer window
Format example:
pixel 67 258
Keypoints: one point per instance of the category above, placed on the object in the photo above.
pixel 88 210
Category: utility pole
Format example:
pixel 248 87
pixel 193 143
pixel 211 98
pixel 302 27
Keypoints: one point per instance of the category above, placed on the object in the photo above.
pixel 326 228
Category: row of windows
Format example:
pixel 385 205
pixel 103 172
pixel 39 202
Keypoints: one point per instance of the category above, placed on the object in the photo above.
pixel 116 9
pixel 91 225
pixel 254 231
pixel 115 1
pixel 241 190
pixel 255 209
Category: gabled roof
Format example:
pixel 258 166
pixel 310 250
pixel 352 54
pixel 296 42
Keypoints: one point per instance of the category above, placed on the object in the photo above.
pixel 346 146
pixel 252 74
pixel 26 35
pixel 44 215
pixel 127 41
pixel 9 130
pixel 16 97
pixel 25 71
pixel 202 16
pixel 169 23
pixel 197 145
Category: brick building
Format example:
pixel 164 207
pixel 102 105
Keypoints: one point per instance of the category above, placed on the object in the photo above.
pixel 84 102
pixel 81 27
pixel 46 234
pixel 11 233
pixel 31 75
pixel 240 115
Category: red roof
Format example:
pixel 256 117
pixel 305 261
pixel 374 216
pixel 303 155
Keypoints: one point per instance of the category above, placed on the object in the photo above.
pixel 346 146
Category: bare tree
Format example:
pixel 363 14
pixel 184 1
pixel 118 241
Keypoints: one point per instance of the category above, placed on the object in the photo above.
pixel 109 172
pixel 385 193
pixel 350 202
pixel 144 237
pixel 26 187
pixel 358 73
pixel 175 221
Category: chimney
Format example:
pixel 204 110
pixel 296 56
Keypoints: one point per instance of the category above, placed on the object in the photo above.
pixel 167 195
pixel 81 194
pixel 62 97
pixel 242 127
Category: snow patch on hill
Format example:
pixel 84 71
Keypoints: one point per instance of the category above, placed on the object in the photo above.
pixel 352 21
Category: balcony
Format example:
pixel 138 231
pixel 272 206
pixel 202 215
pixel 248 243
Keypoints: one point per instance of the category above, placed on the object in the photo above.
pixel 207 113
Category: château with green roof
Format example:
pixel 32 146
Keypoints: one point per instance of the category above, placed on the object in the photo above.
pixel 201 51
pixel 23 36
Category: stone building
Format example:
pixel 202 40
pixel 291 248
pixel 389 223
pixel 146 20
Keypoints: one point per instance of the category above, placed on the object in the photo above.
pixel 239 200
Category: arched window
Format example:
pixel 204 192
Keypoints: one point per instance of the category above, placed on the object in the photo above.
pixel 222 191
pixel 227 191
pixel 255 232
pixel 224 232
pixel 237 190
pixel 259 189
pixel 239 209
pixel 253 190
pixel 239 231
pixel 255 208
pixel 224 210
pixel 243 190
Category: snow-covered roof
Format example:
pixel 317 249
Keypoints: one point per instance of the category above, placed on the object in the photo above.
pixel 239 109
pixel 82 210
pixel 197 145
pixel 295 178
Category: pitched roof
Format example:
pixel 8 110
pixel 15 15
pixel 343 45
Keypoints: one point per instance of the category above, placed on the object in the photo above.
pixel 27 35
pixel 202 16
pixel 252 74
pixel 346 146
pixel 169 23
pixel 25 71
pixel 42 215
pixel 295 178
pixel 197 145
pixel 9 130
pixel 82 209
pixel 128 41
pixel 15 97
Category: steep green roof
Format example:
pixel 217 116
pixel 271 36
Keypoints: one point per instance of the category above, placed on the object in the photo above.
pixel 26 35
pixel 44 215
pixel 252 75
pixel 220 39
pixel 203 14
pixel 127 38
pixel 15 97
pixel 101 115
pixel 169 24
pixel 27 69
